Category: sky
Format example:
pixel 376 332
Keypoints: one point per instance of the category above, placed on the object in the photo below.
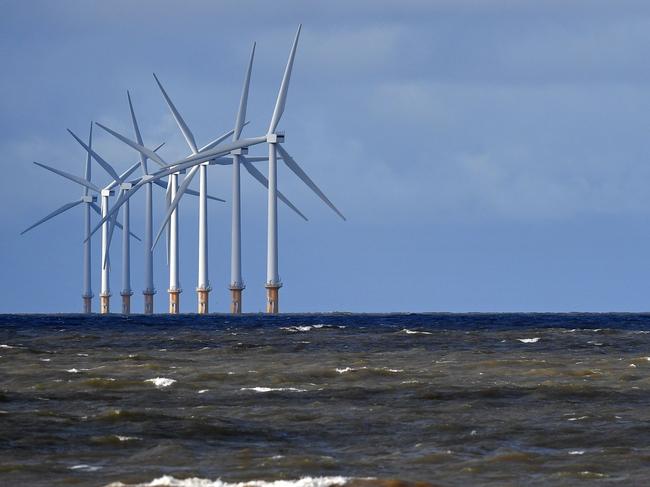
pixel 490 155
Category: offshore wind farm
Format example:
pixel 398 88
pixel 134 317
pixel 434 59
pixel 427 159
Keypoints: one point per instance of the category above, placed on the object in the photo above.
pixel 234 154
pixel 375 243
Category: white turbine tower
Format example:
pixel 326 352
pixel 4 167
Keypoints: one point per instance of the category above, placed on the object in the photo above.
pixel 149 288
pixel 237 285
pixel 274 139
pixel 203 283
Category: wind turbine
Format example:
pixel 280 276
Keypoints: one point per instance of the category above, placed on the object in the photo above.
pixel 238 158
pixel 274 139
pixel 90 204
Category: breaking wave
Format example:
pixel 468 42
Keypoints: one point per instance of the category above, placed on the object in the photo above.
pixel 169 481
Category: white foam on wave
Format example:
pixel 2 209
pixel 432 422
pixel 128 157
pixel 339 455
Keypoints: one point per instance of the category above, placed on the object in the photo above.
pixel 273 389
pixel 415 332
pixel 303 328
pixel 161 382
pixel 127 438
pixel 85 468
pixel 576 452
pixel 3 345
pixel 529 340
pixel 73 371
pixel 349 369
pixel 203 391
pixel 169 481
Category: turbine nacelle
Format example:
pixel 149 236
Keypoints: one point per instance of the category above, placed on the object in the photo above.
pixel 276 138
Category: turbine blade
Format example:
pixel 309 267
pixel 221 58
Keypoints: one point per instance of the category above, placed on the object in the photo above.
pixel 191 192
pixel 196 193
pixel 213 154
pixel 293 165
pixel 174 203
pixel 243 101
pixel 56 212
pixel 69 176
pixel 140 148
pixel 218 140
pixel 96 207
pixel 124 175
pixel 107 167
pixel 121 227
pixel 138 136
pixel 262 179
pixel 187 133
pixel 284 86
pixel 88 169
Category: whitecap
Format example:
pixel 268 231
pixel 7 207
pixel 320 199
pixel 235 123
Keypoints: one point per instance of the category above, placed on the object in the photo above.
pixel 73 371
pixel 416 332
pixel 529 340
pixel 45 359
pixel 304 328
pixel 127 438
pixel 85 468
pixel 350 369
pixel 296 329
pixel 273 389
pixel 161 382
pixel 169 481
pixel 2 345
pixel 576 452
pixel 203 391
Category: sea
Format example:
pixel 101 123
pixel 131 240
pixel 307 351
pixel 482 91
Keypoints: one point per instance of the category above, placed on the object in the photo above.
pixel 319 400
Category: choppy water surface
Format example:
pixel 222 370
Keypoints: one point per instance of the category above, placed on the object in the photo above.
pixel 457 400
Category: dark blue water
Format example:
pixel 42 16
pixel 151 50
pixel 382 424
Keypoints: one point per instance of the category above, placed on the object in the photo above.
pixel 449 399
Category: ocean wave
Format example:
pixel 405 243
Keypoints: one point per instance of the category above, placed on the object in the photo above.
pixel 415 332
pixel 161 382
pixel 380 370
pixel 85 468
pixel 304 328
pixel 3 345
pixel 273 389
pixel 169 481
pixel 529 340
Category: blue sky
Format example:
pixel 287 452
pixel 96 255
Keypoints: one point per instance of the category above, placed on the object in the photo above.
pixel 490 155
